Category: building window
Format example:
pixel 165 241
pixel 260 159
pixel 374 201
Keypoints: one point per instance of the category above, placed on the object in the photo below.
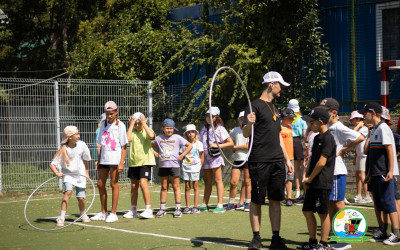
pixel 387 32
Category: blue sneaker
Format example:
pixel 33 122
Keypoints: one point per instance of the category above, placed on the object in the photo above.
pixel 247 207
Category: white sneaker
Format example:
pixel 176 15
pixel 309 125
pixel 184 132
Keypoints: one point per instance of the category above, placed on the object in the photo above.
pixel 358 198
pixel 346 201
pixel 147 214
pixel 367 199
pixel 131 214
pixel 297 194
pixel 85 218
pixel 112 218
pixel 99 216
pixel 60 221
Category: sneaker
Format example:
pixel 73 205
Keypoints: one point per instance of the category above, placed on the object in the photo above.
pixel 60 221
pixel 321 247
pixel 230 207
pixel 161 213
pixel 277 243
pixel 147 214
pixel 392 240
pixel 195 210
pixel 177 213
pixel 306 246
pixel 378 236
pixel 131 214
pixel 358 198
pixel 367 199
pixel 218 210
pixel 240 206
pixel 203 207
pixel 289 202
pixel 85 218
pixel 246 207
pixel 111 218
pixel 255 243
pixel 187 210
pixel 346 201
pixel 297 194
pixel 299 201
pixel 99 216
pixel 340 246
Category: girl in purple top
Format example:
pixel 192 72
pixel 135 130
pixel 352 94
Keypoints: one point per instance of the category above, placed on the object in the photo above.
pixel 168 156
pixel 212 165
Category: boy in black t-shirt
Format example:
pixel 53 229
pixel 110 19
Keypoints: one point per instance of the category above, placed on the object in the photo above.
pixel 319 178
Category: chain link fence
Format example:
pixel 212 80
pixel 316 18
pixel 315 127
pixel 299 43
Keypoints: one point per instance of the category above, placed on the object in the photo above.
pixel 32 118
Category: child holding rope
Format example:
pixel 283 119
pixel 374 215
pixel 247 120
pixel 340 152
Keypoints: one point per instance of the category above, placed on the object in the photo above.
pixel 73 158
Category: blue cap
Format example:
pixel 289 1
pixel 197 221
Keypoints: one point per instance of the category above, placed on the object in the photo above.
pixel 169 123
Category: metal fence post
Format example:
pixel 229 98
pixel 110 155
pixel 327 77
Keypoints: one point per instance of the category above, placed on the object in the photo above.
pixel 150 112
pixel 57 116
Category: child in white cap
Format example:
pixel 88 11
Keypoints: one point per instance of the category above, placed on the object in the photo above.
pixel 73 159
pixel 213 164
pixel 191 166
pixel 113 141
pixel 360 158
pixel 240 150
pixel 141 160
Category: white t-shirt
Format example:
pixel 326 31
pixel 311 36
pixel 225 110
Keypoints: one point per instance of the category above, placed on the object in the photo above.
pixel 76 166
pixel 360 147
pixel 237 136
pixel 383 135
pixel 342 135
pixel 192 161
pixel 111 139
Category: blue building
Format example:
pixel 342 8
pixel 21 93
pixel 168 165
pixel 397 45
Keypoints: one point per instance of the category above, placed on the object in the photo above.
pixel 360 34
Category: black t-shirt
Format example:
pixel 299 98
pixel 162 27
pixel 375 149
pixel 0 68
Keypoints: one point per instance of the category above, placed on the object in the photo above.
pixel 324 144
pixel 266 145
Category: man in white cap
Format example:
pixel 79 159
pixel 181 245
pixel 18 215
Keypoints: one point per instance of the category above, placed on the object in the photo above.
pixel 267 159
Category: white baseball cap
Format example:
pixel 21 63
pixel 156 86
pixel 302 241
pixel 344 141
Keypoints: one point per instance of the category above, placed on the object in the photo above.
pixel 214 111
pixel 241 114
pixel 355 114
pixel 273 76
pixel 190 127
pixel 137 116
pixel 294 105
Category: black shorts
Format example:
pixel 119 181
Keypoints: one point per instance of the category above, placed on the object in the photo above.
pixel 396 192
pixel 317 200
pixel 244 166
pixel 297 149
pixel 137 173
pixel 267 178
pixel 102 166
pixel 163 172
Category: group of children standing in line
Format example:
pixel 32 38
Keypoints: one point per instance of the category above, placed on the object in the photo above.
pixel 324 178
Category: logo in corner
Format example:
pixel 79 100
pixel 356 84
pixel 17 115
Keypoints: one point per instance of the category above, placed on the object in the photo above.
pixel 349 225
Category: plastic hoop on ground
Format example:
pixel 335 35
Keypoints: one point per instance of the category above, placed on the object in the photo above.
pixel 58 228
pixel 212 124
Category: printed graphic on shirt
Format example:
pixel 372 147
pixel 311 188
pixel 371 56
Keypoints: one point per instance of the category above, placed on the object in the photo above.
pixel 110 143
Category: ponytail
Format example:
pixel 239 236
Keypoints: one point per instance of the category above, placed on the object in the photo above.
pixel 63 153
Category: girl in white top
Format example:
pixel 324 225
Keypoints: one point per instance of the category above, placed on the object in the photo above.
pixel 212 165
pixel 239 155
pixel 73 159
pixel 113 142
pixel 360 158
pixel 191 166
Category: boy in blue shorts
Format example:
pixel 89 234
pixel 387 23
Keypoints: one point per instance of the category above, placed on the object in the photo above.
pixel 380 149
pixel 319 178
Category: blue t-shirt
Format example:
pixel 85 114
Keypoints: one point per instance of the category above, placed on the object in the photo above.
pixel 298 126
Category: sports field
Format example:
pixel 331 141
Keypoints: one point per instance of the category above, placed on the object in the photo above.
pixel 206 230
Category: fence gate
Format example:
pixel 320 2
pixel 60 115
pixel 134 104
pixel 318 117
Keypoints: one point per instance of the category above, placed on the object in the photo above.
pixel 34 112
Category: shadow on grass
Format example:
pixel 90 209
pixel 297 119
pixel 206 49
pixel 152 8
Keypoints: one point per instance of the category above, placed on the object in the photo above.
pixel 199 241
pixel 178 247
pixel 27 227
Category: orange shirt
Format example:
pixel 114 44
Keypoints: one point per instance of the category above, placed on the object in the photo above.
pixel 287 136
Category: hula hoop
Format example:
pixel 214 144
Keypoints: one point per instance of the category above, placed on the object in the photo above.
pixel 58 228
pixel 251 111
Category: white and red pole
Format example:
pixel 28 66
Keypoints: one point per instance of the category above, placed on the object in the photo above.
pixel 385 65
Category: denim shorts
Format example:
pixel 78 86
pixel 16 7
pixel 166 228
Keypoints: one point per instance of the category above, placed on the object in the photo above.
pixel 80 192
pixel 190 176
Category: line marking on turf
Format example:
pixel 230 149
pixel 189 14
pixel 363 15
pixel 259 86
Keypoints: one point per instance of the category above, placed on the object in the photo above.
pixel 159 235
